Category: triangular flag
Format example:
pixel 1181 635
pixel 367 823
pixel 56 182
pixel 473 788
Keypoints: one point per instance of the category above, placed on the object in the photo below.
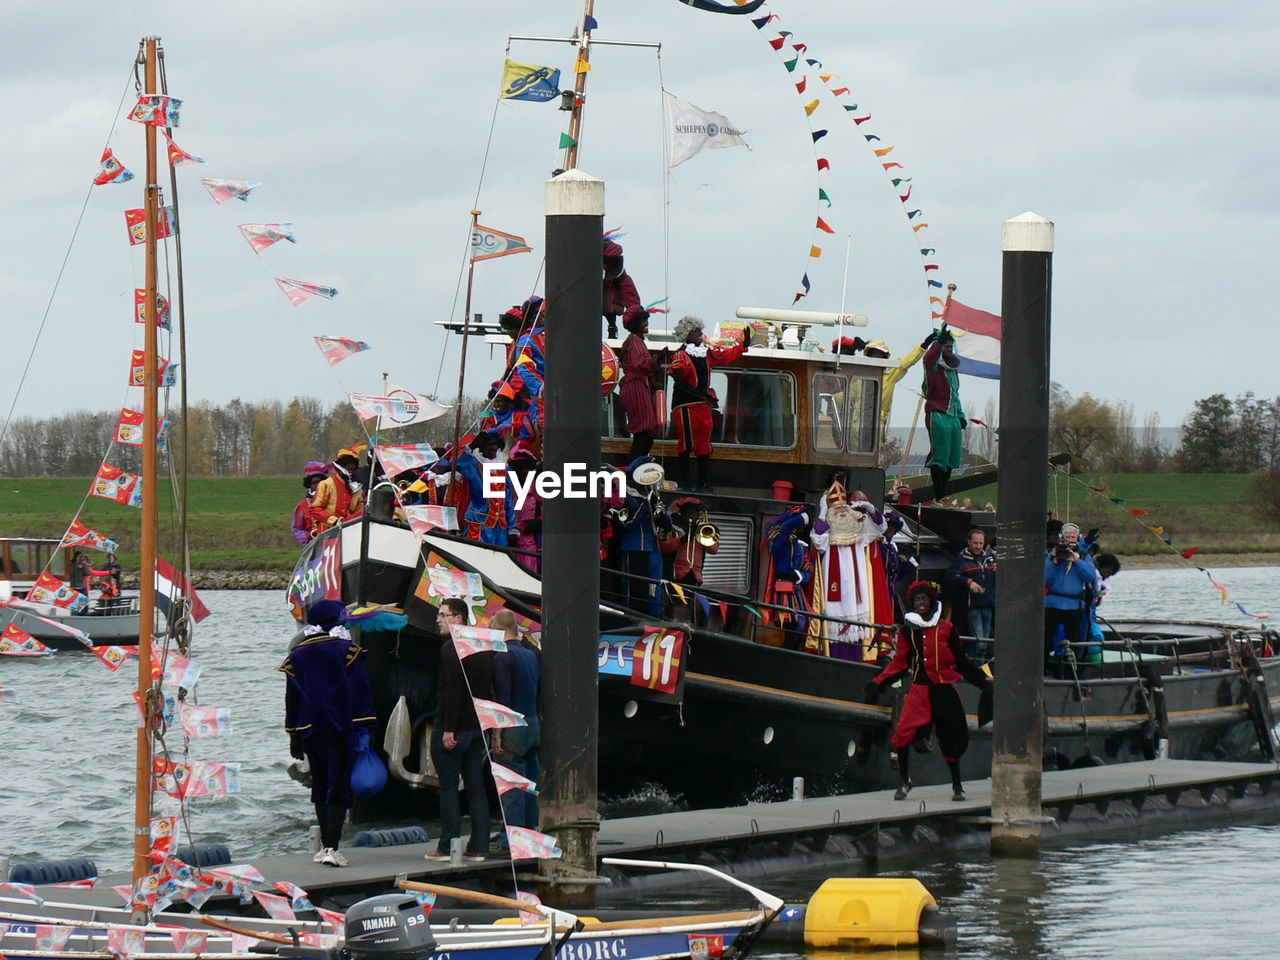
pixel 179 157
pixel 262 235
pixel 300 291
pixel 224 190
pixel 824 226
pixel 113 171
pixel 567 141
pixel 810 107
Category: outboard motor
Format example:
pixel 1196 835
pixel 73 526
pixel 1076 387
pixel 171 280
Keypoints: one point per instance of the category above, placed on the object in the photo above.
pixel 392 926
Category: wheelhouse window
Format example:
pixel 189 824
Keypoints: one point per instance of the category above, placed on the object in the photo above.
pixel 863 416
pixel 829 390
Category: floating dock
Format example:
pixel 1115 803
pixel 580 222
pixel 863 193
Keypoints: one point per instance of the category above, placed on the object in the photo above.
pixel 851 832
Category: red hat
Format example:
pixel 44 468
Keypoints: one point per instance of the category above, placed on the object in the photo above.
pixel 925 586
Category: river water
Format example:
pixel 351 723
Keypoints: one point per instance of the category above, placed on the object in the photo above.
pixel 66 785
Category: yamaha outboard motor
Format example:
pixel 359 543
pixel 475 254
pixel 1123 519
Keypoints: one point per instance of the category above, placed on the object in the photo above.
pixel 388 927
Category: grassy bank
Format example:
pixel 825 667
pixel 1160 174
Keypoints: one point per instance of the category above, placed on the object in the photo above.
pixel 243 523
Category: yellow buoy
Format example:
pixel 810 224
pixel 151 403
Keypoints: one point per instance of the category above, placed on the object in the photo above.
pixel 871 911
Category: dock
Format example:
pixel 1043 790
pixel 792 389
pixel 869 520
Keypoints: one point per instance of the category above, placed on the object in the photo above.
pixel 853 832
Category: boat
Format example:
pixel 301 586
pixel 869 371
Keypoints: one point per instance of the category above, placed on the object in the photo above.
pixel 107 621
pixel 734 715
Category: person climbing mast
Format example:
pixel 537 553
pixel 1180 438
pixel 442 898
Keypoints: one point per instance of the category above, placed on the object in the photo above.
pixel 944 415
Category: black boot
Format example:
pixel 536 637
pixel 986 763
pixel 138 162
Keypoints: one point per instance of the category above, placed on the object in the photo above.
pixel 957 788
pixel 682 471
pixel 641 444
pixel 940 480
pixel 904 777
pixel 704 473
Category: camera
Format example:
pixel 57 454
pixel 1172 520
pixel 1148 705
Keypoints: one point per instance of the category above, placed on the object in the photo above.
pixel 1062 552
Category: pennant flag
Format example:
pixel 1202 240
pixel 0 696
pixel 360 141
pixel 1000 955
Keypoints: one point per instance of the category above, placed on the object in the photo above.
pixel 129 429
pixel 1190 552
pixel 528 81
pixel 401 458
pixel 51 937
pixel 567 141
pixel 979 350
pixel 201 722
pixel 299 291
pixel 804 282
pixel 399 408
pixel 299 899
pixel 818 135
pixel 16 642
pixel 337 349
pixel 335 920
pixel 262 235
pixel 164 834
pixel 693 130
pixel 113 171
pixel 171 584
pixel 49 589
pixel 582 65
pixel 137 364
pixel 529 844
pixel 78 535
pixel 1157 530
pixel 487 243
pixel 824 226
pixel 277 907
pixel 24 890
pixel 87 884
pixel 156 110
pixel 494 716
pixel 815 252
pixel 140 308
pixel 135 222
pixel 823 164
pixel 189 941
pixel 112 483
pixel 213 779
pixel 506 780
pixel 822 195
pixel 810 107
pixel 224 190
pixel 427 517
pixel 179 157
pixel 588 24
pixel 1256 616
pixel 469 640
pixel 1139 512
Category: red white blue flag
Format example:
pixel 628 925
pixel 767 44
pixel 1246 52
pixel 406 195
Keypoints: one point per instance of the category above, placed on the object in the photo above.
pixel 979 347
pixel 113 171
pixel 171 584
pixel 529 844
pixel 179 157
pixel 156 110
pixel 262 235
pixel 112 483
pixel 79 535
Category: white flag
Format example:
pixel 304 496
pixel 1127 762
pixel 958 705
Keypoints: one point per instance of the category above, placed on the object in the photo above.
pixel 399 408
pixel 693 130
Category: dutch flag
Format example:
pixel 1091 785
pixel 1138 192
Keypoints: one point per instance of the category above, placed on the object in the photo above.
pixel 979 347
pixel 171 584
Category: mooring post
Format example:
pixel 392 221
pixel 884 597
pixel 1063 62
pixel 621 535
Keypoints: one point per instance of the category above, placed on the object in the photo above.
pixel 1018 731
pixel 571 536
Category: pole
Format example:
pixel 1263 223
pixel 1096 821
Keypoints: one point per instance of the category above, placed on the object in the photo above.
pixel 571 533
pixel 462 367
pixel 147 562
pixel 1018 733
pixel 579 91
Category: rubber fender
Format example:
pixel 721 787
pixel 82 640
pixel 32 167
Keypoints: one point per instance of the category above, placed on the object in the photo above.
pixel 392 837
pixel 211 854
pixel 52 871
pixel 866 911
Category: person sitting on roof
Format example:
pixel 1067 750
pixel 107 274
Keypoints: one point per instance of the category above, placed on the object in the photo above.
pixel 339 496
pixel 303 521
pixel 692 397
pixel 620 296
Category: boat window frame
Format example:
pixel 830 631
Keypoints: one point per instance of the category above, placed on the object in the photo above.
pixel 734 371
pixel 842 412
pixel 874 408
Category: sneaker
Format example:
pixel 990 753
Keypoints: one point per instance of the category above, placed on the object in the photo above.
pixel 332 858
pixel 902 791
pixel 474 857
pixel 958 795
pixel 438 855
pixel 319 855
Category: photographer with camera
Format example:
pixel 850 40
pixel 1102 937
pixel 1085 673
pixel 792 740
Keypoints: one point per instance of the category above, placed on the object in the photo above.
pixel 1069 576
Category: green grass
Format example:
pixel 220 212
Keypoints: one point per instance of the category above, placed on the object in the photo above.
pixel 1217 512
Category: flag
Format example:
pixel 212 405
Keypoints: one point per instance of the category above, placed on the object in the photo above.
pixel 979 348
pixel 130 429
pixel 528 81
pixel 201 722
pixel 135 221
pixel 9 695
pixel 277 907
pixel 528 918
pixel 299 899
pixel 693 130
pixel 399 408
pixel 140 308
pixel 156 110
pixel 224 190
pixel 86 884
pixel 262 235
pixel 171 584
pixel 138 363
pixel 112 483
pixel 529 844
pixel 448 582
pixel 706 946
pixel 16 642
pixel 113 171
pixel 657 661
pixel 335 920
pixel 299 291
pixel 24 890
pixel 51 937
pixel 487 243
pixel 179 157
pixel 505 780
pixel 115 657
pixel 337 349
pixel 78 535
pixel 49 589
pixel 402 457
pixel 427 517
pixel 209 779
pixel 494 716
pixel 164 834
pixel 469 640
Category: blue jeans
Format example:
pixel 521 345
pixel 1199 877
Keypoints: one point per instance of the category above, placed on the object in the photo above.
pixel 520 808
pixel 981 624
pixel 465 761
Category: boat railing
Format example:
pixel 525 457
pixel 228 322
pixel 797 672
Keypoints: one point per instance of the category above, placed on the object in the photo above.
pixel 114 607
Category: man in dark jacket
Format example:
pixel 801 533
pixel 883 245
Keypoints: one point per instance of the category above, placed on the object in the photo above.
pixel 326 701
pixel 971 588
pixel 516 674
pixel 457 742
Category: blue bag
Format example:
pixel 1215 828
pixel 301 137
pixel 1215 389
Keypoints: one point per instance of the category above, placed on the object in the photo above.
pixel 368 773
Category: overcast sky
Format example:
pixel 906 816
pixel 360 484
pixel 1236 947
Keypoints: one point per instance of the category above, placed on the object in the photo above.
pixel 1147 132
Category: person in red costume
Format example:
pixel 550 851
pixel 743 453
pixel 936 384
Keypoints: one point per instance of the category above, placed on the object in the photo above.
pixel 303 521
pixel 620 296
pixel 929 650
pixel 636 393
pixel 692 396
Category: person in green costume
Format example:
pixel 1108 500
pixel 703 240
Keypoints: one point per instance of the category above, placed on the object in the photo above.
pixel 944 415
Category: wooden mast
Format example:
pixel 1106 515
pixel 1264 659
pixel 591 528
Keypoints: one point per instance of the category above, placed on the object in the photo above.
pixel 147 562
pixel 454 452
pixel 579 88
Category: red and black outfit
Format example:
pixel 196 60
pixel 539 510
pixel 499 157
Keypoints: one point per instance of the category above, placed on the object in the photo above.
pixel 930 651
pixel 620 297
pixel 691 400
pixel 636 394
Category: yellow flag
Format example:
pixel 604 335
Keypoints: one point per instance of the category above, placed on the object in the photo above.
pixel 529 81
pixel 810 107
pixel 679 592
pixel 582 65
pixel 815 252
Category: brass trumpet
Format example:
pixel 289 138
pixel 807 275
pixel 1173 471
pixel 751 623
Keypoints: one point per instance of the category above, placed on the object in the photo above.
pixel 706 532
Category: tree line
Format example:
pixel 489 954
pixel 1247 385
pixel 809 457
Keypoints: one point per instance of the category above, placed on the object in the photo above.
pixel 236 439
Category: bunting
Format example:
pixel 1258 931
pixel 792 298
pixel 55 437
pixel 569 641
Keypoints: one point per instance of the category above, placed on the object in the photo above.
pixel 201 722
pixel 469 640
pixel 259 236
pixel 138 364
pixel 527 844
pixel 179 157
pixel 135 222
pixel 337 349
pixel 495 716
pixel 300 291
pixel 50 590
pixel 112 483
pixel 79 535
pixel 113 171
pixel 505 780
pixel 16 642
pixel 140 308
pixel 488 243
pixel 131 430
pixel 224 190
pixel 156 110
pixel 403 457
pixel 427 517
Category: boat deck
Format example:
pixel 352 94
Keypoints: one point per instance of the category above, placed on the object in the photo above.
pixel 758 838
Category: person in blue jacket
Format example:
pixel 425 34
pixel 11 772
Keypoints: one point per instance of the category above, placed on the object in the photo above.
pixel 1069 576
pixel 641 552
pixel 970 582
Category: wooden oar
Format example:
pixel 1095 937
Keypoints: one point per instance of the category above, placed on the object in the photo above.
pixel 492 899
pixel 246 932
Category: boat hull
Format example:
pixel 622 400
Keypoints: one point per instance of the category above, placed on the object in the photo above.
pixel 108 628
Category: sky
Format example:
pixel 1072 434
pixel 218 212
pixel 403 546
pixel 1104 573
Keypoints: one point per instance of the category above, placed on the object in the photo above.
pixel 1147 132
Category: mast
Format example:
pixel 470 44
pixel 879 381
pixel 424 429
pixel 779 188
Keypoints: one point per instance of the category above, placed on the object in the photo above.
pixel 579 88
pixel 462 363
pixel 147 563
